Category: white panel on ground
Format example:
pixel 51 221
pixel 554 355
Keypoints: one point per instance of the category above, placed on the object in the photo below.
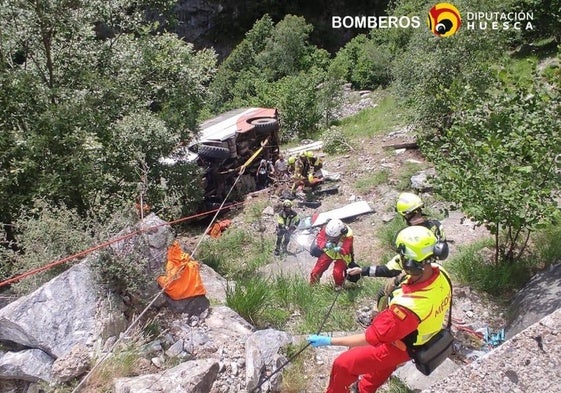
pixel 347 211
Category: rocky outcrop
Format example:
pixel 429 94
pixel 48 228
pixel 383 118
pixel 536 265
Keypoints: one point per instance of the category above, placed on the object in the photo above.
pixel 529 362
pixel 196 376
pixel 55 333
pixel 61 322
pixel 56 316
pixel 222 24
pixel 540 296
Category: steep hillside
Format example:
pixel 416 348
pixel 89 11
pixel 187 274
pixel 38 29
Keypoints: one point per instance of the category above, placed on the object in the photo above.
pixel 223 24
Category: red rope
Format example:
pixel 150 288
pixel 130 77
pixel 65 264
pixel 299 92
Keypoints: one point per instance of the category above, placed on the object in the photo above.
pixel 102 245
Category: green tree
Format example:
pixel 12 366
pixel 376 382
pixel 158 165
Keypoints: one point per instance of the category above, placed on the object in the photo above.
pixel 286 50
pixel 235 72
pixel 276 66
pixel 366 63
pixel 296 97
pixel 546 18
pixel 72 75
pixel 500 163
pixel 437 76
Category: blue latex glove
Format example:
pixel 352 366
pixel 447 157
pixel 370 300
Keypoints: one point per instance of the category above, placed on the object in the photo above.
pixel 318 341
pixel 328 245
pixel 337 249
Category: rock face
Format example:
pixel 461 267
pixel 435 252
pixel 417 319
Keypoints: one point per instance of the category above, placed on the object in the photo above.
pixel 196 376
pixel 529 362
pixel 58 331
pixel 539 297
pixel 52 332
pixel 223 24
pixel 56 316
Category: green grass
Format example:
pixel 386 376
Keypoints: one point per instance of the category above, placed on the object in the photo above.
pixel 407 170
pixel 546 243
pixel 374 121
pixel 396 386
pixel 291 303
pixel 295 378
pixel 388 232
pixel 373 179
pixel 471 265
pixel 228 254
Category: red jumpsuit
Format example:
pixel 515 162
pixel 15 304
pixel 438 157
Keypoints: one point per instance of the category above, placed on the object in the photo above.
pixel 341 258
pixel 377 361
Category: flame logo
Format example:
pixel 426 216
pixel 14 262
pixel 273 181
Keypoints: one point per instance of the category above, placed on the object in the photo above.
pixel 444 19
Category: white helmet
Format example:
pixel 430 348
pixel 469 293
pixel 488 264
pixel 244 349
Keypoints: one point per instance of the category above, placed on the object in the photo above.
pixel 335 228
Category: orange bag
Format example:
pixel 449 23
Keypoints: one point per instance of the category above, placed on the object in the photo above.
pixel 218 227
pixel 182 279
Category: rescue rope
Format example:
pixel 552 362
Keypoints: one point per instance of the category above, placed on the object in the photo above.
pixel 137 319
pixel 127 236
pixel 294 356
pixel 105 244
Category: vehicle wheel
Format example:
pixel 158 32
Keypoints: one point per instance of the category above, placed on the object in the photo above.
pixel 264 125
pixel 208 151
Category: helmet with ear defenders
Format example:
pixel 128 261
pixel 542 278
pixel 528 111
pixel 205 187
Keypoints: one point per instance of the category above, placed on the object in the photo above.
pixel 441 250
pixel 415 244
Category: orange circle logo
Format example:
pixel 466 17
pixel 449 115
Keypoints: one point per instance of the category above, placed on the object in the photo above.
pixel 444 19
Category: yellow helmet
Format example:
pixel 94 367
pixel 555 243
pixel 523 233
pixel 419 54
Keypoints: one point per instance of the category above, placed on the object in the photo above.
pixel 308 154
pixel 407 202
pixel 415 243
pixel 287 203
pixel 291 160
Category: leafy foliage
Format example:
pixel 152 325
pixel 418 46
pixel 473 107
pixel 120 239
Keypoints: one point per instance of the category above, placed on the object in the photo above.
pixel 297 98
pixel 470 265
pixel 45 233
pixel 546 241
pixel 365 63
pixel 547 18
pixel 334 141
pixel 86 116
pixel 498 162
pixel 226 87
pixel 436 77
pixel 276 66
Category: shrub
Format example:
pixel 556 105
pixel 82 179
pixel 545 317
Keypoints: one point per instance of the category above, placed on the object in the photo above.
pixel 334 142
pixel 249 298
pixel 364 62
pixel 45 234
pixel 473 265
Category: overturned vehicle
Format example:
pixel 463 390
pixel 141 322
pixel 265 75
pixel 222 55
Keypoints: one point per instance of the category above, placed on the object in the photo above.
pixel 229 142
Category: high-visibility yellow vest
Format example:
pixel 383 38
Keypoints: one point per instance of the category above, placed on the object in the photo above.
pixel 430 304
pixel 337 255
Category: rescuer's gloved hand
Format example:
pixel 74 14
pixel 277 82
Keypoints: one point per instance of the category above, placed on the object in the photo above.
pixel 337 249
pixel 318 341
pixel 329 245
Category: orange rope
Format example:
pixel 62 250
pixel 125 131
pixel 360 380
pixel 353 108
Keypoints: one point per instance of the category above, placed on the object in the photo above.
pixel 102 245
